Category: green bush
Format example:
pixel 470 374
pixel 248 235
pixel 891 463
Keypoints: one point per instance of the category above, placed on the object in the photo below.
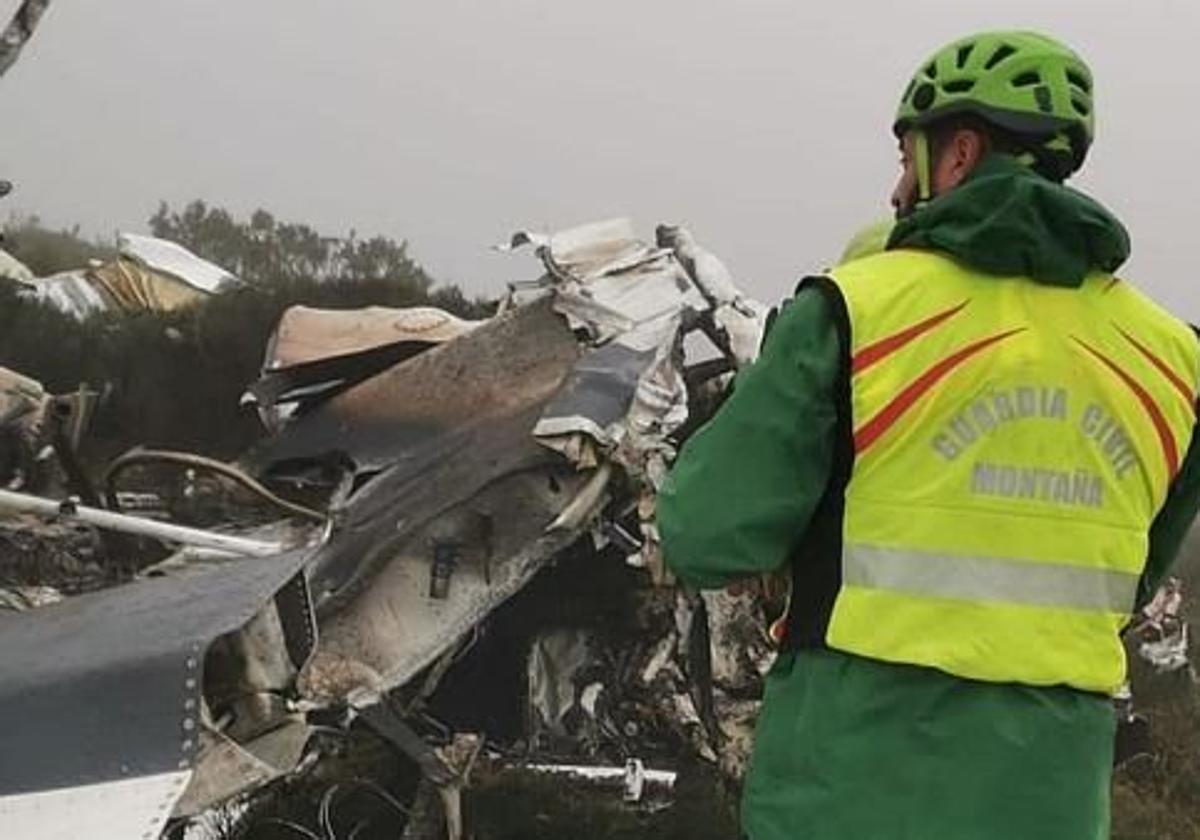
pixel 48 251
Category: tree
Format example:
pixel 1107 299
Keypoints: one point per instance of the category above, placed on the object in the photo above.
pixel 263 250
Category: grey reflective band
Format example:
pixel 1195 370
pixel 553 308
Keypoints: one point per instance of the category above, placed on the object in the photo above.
pixel 994 579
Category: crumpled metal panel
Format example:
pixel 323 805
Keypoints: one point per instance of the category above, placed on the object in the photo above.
pixel 315 354
pixel 148 274
pixel 634 302
pixel 467 483
pixel 123 284
pixel 166 257
pixel 123 809
pixel 743 319
pixel 225 768
pixel 491 372
pixel 22 399
pixel 70 292
pixel 630 298
pixel 13 269
pixel 132 287
pixel 107 686
pixel 607 281
pixel 306 334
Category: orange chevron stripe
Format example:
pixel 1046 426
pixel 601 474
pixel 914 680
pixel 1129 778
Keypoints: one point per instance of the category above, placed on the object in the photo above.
pixel 873 353
pixel 866 435
pixel 1165 438
pixel 1175 379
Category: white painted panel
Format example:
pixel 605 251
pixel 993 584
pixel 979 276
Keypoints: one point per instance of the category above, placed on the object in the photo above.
pixel 127 809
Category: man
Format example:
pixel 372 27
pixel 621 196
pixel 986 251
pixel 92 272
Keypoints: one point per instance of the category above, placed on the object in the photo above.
pixel 976 453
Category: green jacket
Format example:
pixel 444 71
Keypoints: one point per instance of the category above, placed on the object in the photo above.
pixel 852 748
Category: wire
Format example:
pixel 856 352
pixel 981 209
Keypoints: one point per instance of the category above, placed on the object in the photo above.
pixel 139 455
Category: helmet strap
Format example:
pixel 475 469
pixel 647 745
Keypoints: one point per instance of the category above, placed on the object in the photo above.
pixel 924 167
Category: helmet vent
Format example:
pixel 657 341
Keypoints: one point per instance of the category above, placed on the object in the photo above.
pixel 1079 80
pixel 924 96
pixel 1029 77
pixel 931 70
pixel 1081 107
pixel 958 85
pixel 1003 52
pixel 964 53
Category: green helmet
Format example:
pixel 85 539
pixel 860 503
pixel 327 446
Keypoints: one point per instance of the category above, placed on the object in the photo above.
pixel 1023 82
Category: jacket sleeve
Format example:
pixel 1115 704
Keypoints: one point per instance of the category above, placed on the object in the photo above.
pixel 745 485
pixel 1173 522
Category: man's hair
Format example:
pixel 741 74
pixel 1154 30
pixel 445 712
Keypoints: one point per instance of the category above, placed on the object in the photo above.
pixel 996 141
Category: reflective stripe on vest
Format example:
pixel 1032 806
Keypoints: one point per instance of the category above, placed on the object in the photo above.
pixel 1013 443
pixel 988 579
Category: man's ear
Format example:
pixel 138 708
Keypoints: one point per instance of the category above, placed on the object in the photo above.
pixel 959 156
pixel 967 149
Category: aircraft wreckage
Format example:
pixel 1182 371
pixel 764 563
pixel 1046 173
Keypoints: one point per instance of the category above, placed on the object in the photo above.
pixel 434 467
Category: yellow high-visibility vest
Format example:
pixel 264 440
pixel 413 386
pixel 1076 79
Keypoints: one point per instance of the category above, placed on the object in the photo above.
pixel 1013 443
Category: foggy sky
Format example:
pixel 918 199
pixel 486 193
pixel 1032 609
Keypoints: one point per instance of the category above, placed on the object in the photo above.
pixel 762 124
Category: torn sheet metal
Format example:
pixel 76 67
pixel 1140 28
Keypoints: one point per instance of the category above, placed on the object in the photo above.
pixel 484 377
pixel 635 301
pixel 375 586
pixel 743 319
pixel 224 768
pixel 24 405
pixel 607 282
pixel 306 334
pixel 129 286
pixel 165 257
pixel 105 689
pixel 284 395
pixel 1162 630
pixel 22 399
pixel 600 693
pixel 554 673
pixel 70 292
pixel 315 354
pixel 147 274
pixel 114 809
pixel 628 389
pixel 457 502
pixel 13 269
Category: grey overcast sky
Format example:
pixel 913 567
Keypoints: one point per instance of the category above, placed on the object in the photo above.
pixel 763 124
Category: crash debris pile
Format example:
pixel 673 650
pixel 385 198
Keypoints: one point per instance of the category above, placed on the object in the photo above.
pixel 425 470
